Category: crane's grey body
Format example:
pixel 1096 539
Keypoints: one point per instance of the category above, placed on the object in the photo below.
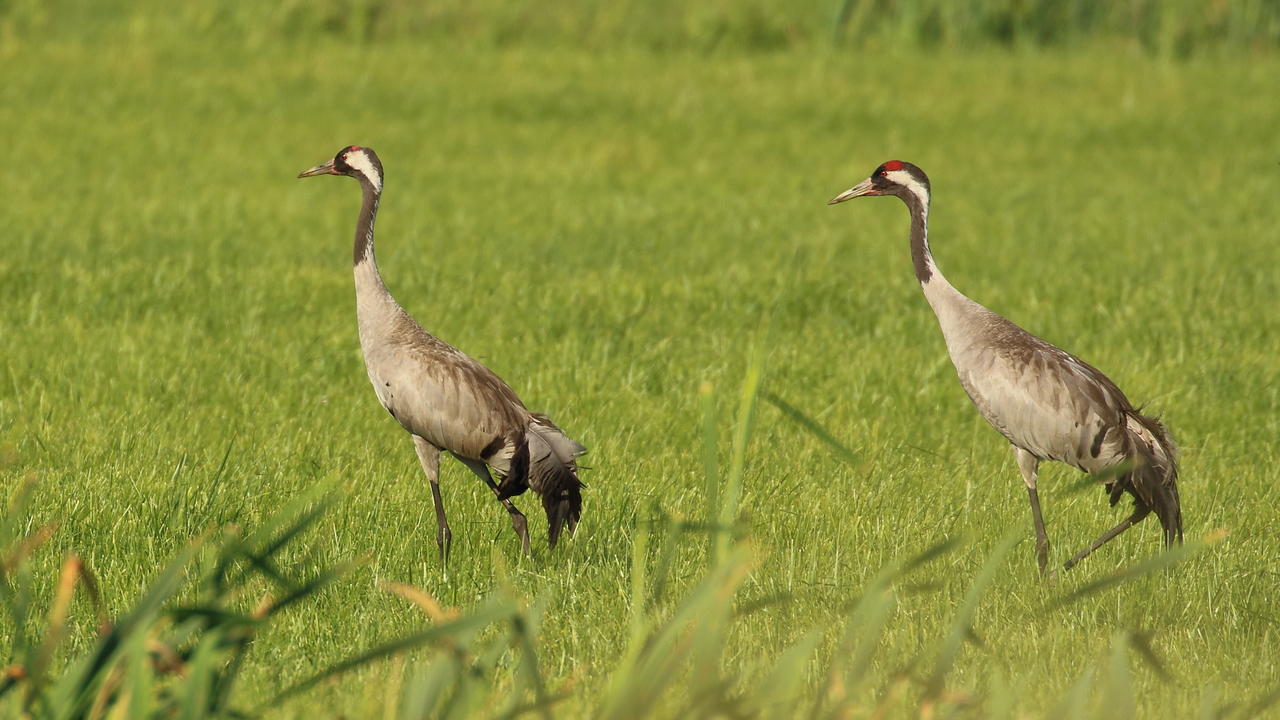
pixel 432 389
pixel 444 398
pixel 1042 399
pixel 448 399
pixel 1049 404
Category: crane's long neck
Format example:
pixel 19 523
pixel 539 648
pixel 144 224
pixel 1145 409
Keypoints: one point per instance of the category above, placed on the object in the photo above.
pixel 374 303
pixel 363 251
pixel 921 255
pixel 363 260
pixel 949 305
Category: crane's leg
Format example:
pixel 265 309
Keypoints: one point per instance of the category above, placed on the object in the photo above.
pixel 518 521
pixel 1139 512
pixel 1030 466
pixel 429 456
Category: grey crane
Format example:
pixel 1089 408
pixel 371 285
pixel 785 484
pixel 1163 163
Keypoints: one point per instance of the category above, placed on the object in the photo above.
pixel 445 399
pixel 1048 403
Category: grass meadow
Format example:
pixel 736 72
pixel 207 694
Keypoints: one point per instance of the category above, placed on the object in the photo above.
pixel 624 233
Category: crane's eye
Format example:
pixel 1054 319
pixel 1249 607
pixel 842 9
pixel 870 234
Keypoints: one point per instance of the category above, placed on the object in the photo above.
pixel 884 173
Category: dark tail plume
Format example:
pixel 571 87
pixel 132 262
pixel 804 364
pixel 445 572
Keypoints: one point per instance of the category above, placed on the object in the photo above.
pixel 1153 479
pixel 553 474
pixel 516 481
pixel 563 504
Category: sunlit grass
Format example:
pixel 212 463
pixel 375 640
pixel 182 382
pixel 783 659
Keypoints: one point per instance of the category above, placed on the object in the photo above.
pixel 609 231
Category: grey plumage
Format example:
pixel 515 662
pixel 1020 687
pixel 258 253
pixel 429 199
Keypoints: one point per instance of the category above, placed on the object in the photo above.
pixel 1049 404
pixel 447 400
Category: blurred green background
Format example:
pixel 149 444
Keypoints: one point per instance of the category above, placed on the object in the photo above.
pixel 1172 28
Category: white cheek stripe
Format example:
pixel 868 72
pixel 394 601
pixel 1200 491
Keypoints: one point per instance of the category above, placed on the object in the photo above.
pixel 360 161
pixel 904 178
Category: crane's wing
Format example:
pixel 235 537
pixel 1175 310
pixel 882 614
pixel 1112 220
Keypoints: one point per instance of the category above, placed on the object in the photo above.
pixel 1047 401
pixel 446 397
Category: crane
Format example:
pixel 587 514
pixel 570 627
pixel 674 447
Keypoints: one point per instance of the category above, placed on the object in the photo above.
pixel 445 399
pixel 1049 404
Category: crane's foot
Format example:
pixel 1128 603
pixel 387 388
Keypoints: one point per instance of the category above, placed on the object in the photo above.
pixel 521 525
pixel 518 521
pixel 444 540
pixel 430 457
pixel 1042 554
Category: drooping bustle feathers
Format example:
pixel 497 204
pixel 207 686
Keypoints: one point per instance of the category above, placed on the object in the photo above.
pixel 516 481
pixel 553 474
pixel 1153 479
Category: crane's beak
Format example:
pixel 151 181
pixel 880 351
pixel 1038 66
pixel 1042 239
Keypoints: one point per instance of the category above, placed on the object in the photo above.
pixel 863 188
pixel 325 168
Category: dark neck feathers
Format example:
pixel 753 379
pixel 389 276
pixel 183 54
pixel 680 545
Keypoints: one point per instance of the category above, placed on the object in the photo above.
pixel 921 256
pixel 364 226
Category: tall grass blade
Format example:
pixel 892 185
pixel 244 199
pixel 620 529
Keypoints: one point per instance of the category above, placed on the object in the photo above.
pixel 710 468
pixel 933 552
pixel 841 450
pixel 1141 642
pixel 55 626
pixel 693 629
pixel 863 633
pixel 1258 708
pixel 741 438
pixel 424 600
pixel 528 667
pixel 639 598
pixel 1096 480
pixel 425 687
pixel 16 553
pixel 675 532
pixel 1075 703
pixel 1117 690
pixel 848 668
pixel 1165 559
pixel 310 587
pixel 491 613
pixel 197 690
pixel 17 509
pixel 79 685
pixel 962 625
pixel 476 692
pixel 274 533
pixel 781 693
pixel 1001 700
pixel 1209 709
pixel 140 693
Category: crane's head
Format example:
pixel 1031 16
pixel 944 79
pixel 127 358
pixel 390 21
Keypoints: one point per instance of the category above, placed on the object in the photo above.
pixel 892 178
pixel 354 161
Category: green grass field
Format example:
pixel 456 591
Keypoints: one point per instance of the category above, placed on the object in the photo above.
pixel 609 230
